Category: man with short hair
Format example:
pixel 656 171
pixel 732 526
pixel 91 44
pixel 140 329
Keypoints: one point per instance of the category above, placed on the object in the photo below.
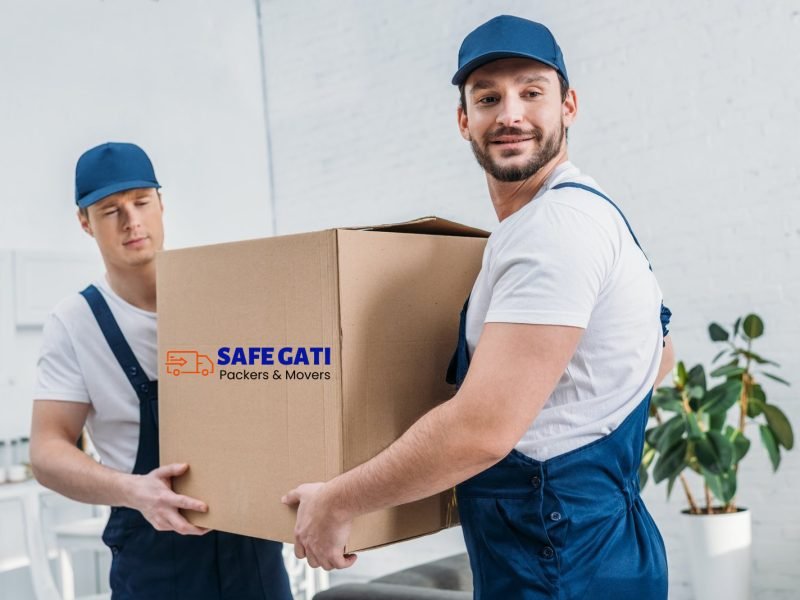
pixel 561 342
pixel 98 368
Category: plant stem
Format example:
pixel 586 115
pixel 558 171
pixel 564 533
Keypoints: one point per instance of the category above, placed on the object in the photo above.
pixel 708 499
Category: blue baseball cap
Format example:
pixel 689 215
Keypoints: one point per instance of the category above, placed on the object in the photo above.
pixel 110 168
pixel 508 37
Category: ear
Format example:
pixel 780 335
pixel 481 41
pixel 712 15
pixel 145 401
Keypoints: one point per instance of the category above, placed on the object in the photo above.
pixel 569 108
pixel 85 225
pixel 463 123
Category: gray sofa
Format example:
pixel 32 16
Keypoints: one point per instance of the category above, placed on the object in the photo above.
pixel 445 579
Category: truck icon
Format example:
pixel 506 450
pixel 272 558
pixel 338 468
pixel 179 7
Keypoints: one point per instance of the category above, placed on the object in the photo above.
pixel 188 361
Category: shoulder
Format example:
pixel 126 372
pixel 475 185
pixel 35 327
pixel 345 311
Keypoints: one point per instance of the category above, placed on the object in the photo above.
pixel 71 314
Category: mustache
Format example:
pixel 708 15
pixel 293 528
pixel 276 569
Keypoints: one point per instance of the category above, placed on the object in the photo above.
pixel 535 133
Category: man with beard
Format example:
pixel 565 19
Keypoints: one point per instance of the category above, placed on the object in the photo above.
pixel 561 342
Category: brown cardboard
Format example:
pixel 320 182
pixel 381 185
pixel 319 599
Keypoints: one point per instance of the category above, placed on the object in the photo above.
pixel 384 299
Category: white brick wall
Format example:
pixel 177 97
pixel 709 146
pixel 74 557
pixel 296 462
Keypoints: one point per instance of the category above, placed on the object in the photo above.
pixel 688 118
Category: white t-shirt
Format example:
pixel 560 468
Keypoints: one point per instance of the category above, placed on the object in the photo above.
pixel 77 365
pixel 567 258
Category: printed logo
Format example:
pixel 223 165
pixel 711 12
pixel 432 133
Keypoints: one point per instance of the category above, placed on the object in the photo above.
pixel 185 362
pixel 246 363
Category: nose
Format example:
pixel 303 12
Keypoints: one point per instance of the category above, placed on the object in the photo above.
pixel 130 217
pixel 511 111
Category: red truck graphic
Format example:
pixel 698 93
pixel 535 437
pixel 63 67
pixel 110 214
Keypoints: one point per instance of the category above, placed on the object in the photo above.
pixel 180 362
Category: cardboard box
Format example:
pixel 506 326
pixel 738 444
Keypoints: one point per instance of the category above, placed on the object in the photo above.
pixel 367 320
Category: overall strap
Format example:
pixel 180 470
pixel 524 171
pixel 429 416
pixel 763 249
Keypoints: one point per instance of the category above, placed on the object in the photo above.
pixel 666 313
pixel 116 340
pixel 587 188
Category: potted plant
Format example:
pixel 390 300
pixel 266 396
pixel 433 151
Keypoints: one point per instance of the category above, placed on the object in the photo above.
pixel 704 435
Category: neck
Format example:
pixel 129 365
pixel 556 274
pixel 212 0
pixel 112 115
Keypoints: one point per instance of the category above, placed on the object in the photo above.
pixel 135 285
pixel 509 196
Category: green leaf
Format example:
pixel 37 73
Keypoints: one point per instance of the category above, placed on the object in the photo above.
pixel 648 455
pixel 723 447
pixel 670 484
pixel 723 486
pixel 717 333
pixel 696 377
pixel 695 433
pixel 755 407
pixel 680 374
pixel 771 444
pixel 718 356
pixel 757 392
pixel 740 443
pixel 667 398
pixel 672 431
pixel 753 356
pixel 728 371
pixel 716 421
pixel 671 462
pixel 780 426
pixel 714 451
pixel 776 378
pixel 753 326
pixel 722 397
pixel 736 326
pixel 642 476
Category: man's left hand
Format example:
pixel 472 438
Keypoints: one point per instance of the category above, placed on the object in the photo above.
pixel 320 531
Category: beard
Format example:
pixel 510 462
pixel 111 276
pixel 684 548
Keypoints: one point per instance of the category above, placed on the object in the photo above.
pixel 548 147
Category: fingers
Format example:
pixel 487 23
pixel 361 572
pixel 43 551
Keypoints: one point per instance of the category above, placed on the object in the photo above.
pixel 179 524
pixel 345 561
pixel 291 498
pixel 299 550
pixel 171 470
pixel 187 503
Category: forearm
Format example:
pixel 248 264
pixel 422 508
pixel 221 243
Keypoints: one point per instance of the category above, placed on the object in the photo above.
pixel 64 468
pixel 440 450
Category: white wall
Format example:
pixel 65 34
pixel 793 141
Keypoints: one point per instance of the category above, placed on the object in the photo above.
pixel 688 118
pixel 182 78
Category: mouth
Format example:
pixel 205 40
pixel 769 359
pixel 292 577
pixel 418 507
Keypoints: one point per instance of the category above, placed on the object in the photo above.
pixel 509 140
pixel 136 242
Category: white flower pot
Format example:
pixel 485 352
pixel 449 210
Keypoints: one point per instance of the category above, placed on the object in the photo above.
pixel 718 548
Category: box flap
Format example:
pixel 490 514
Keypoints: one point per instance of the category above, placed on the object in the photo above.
pixel 429 225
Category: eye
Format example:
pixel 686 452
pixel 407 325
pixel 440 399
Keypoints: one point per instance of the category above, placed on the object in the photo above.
pixel 532 94
pixel 142 202
pixel 108 213
pixel 487 100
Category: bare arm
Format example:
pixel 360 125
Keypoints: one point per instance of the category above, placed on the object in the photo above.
pixel 667 361
pixel 513 372
pixel 59 465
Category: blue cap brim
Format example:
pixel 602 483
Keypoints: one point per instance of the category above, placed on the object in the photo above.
pixel 462 74
pixel 122 186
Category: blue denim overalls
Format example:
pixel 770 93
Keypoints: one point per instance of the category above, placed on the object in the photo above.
pixel 570 528
pixel 164 565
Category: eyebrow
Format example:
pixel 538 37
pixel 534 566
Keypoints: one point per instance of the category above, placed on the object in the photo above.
pixel 485 84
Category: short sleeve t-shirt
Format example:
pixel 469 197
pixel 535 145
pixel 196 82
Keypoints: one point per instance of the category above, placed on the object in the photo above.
pixel 77 365
pixel 567 258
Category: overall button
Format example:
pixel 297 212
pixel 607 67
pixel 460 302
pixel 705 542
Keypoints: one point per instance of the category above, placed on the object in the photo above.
pixel 115 550
pixel 132 370
pixel 548 552
pixel 536 481
pixel 143 387
pixel 555 516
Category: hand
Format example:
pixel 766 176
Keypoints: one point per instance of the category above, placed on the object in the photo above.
pixel 152 495
pixel 320 532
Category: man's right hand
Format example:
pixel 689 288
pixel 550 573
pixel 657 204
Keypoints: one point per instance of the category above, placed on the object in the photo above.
pixel 152 495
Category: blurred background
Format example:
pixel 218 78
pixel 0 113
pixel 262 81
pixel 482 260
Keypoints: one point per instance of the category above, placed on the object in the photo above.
pixel 268 117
